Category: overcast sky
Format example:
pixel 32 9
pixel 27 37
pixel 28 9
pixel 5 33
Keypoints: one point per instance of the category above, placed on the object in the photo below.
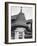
pixel 26 10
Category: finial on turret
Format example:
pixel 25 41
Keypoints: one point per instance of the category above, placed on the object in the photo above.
pixel 21 10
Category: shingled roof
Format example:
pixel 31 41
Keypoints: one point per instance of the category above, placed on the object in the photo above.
pixel 20 19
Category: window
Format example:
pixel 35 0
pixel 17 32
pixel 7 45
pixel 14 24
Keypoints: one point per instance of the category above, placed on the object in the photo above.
pixel 20 35
pixel 13 35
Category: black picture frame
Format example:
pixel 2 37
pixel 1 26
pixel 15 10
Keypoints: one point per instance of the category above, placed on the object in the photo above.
pixel 6 21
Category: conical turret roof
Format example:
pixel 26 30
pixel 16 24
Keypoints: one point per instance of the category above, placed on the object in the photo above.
pixel 21 15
